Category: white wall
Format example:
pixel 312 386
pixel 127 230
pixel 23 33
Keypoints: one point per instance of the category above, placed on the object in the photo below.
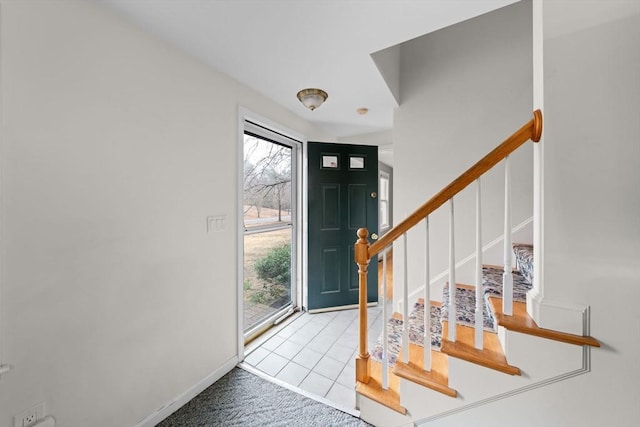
pixel 592 192
pixel 591 212
pixel 115 149
pixel 464 89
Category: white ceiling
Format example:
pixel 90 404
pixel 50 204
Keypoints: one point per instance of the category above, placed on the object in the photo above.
pixel 278 47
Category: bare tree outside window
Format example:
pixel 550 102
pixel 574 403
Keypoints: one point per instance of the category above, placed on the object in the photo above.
pixel 267 182
pixel 267 251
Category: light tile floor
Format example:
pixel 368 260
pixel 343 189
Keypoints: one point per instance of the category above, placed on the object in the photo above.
pixel 316 352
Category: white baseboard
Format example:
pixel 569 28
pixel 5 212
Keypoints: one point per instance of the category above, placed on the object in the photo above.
pixel 168 409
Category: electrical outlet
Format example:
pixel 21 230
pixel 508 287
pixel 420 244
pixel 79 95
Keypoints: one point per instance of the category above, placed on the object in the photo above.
pixel 30 416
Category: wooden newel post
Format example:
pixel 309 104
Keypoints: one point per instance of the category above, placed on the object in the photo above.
pixel 363 371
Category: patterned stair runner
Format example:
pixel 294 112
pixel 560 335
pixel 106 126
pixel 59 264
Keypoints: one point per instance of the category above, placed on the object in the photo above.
pixel 416 331
pixel 524 260
pixel 492 287
pixel 465 308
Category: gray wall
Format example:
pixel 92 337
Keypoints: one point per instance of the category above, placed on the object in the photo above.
pixel 464 89
pixel 115 149
pixel 591 213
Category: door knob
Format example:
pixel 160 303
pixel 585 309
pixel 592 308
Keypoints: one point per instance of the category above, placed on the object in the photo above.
pixel 374 194
pixel 374 236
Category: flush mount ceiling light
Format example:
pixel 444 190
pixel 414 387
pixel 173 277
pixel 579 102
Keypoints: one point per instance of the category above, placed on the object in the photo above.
pixel 312 98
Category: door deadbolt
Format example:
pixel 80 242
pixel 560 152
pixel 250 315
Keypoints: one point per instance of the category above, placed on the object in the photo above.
pixel 374 194
pixel 374 236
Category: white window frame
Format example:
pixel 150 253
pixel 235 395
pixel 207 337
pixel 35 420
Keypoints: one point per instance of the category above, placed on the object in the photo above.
pixel 384 198
pixel 246 115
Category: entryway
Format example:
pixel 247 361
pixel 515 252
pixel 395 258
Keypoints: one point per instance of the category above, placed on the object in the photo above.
pixel 316 352
pixel 313 353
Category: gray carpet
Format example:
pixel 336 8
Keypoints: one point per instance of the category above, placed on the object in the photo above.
pixel 243 399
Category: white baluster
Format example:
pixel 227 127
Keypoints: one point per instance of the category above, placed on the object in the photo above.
pixel 385 332
pixel 507 276
pixel 427 302
pixel 479 319
pixel 405 305
pixel 452 279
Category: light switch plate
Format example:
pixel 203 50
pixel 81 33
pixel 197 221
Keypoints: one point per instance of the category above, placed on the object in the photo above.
pixel 215 223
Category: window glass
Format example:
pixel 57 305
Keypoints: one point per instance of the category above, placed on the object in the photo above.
pixel 384 200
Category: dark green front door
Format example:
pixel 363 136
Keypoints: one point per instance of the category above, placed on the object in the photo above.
pixel 342 195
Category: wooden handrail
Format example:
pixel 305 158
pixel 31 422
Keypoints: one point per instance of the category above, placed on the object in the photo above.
pixel 532 130
pixel 364 251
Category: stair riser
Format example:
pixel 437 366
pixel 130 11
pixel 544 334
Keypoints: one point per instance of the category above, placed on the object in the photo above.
pixel 551 357
pixel 480 383
pixel 424 402
pixel 381 416
pixel 563 317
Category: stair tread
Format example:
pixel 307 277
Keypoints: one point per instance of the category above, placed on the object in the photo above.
pixel 436 379
pixel 491 286
pixel 492 283
pixel 521 322
pixel 374 391
pixel 416 331
pixel 465 306
pixel 491 356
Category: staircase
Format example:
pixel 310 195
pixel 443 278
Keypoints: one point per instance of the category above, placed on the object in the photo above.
pixel 491 357
pixel 482 345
